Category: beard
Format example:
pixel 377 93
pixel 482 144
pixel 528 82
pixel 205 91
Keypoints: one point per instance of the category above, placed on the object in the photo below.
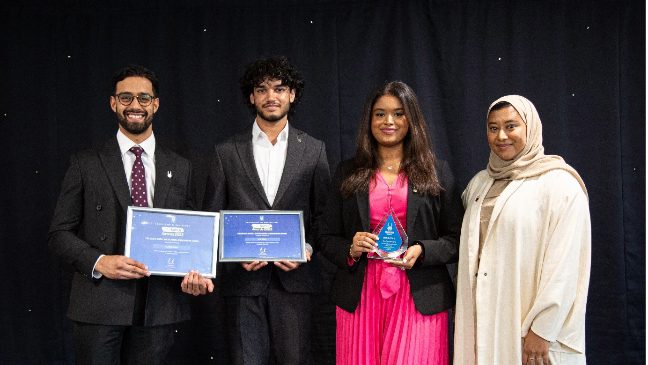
pixel 134 127
pixel 275 117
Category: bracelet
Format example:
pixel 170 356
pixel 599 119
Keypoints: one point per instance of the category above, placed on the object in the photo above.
pixel 351 255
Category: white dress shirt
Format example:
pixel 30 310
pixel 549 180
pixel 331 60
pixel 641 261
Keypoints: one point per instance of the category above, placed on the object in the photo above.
pixel 128 159
pixel 269 159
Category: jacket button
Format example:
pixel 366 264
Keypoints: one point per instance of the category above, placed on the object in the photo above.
pixel 476 274
pixel 98 207
pixel 485 274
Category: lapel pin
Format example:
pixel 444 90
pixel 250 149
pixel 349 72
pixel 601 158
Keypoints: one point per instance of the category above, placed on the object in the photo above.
pixel 169 174
pixel 299 139
pixel 414 190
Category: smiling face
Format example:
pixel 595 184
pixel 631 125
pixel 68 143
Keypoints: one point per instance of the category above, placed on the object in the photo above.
pixel 271 100
pixel 506 133
pixel 134 119
pixel 389 123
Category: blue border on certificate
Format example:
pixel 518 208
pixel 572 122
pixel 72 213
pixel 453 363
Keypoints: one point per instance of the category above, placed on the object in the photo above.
pixel 173 242
pixel 262 235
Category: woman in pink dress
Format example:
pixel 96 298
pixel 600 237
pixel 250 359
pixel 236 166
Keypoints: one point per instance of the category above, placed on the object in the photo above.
pixel 392 311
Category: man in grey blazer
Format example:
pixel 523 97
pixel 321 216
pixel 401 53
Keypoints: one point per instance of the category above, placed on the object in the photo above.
pixel 122 314
pixel 270 165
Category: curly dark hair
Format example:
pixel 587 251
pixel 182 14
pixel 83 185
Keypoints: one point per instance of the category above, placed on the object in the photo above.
pixel 273 68
pixel 418 159
pixel 136 71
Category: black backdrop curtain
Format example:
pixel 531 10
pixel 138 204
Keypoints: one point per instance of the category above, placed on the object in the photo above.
pixel 581 62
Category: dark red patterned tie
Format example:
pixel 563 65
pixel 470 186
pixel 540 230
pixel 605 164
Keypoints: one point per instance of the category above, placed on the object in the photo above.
pixel 138 179
pixel 139 199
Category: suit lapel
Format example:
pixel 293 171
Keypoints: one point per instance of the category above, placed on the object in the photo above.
pixel 414 199
pixel 362 199
pixel 163 165
pixel 246 154
pixel 294 153
pixel 113 165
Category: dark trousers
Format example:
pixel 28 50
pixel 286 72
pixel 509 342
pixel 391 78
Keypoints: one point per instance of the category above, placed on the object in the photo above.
pixel 270 329
pixel 125 345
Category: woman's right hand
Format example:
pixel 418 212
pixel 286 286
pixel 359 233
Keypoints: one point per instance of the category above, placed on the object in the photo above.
pixel 362 242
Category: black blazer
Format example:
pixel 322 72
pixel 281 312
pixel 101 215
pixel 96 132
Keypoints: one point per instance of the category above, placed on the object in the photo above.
pixel 435 221
pixel 234 184
pixel 90 220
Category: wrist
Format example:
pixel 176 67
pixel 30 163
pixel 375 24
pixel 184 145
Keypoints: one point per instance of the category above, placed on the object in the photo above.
pixel 420 245
pixel 355 259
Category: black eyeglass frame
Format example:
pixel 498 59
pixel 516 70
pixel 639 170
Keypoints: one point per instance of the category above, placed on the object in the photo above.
pixel 133 97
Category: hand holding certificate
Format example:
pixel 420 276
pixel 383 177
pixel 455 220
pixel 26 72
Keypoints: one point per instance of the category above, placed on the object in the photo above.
pixel 195 284
pixel 173 242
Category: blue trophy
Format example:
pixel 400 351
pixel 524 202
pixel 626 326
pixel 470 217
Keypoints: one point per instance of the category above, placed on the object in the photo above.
pixel 392 239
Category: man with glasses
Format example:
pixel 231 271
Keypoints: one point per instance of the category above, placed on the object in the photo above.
pixel 120 312
pixel 270 165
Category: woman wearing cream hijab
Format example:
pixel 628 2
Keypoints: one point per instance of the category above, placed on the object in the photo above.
pixel 524 257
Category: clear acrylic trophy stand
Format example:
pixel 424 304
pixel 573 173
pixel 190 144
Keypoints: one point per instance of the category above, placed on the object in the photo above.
pixel 392 239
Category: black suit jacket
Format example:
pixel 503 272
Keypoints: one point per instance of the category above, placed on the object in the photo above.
pixel 90 220
pixel 234 183
pixel 435 221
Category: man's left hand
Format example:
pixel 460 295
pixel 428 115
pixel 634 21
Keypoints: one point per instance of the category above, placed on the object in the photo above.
pixel 195 284
pixel 291 265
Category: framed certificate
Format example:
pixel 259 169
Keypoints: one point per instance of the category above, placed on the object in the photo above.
pixel 263 235
pixel 173 242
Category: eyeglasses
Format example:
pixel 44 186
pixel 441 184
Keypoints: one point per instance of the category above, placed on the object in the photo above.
pixel 127 98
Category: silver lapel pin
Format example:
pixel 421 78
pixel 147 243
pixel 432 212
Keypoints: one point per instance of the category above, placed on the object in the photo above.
pixel 299 139
pixel 169 174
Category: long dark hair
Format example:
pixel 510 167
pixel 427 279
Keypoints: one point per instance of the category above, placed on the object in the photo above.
pixel 418 159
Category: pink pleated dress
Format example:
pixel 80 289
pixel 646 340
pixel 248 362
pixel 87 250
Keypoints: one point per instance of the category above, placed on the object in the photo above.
pixel 386 328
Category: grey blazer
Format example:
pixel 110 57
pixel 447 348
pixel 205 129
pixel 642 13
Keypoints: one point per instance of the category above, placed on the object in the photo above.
pixel 90 220
pixel 234 184
pixel 434 221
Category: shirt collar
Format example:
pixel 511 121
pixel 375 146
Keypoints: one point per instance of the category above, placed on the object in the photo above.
pixel 125 144
pixel 257 133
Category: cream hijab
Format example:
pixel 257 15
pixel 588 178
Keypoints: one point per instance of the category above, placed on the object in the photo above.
pixel 531 161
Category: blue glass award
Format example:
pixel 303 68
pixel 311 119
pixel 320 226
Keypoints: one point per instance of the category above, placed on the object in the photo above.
pixel 392 239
